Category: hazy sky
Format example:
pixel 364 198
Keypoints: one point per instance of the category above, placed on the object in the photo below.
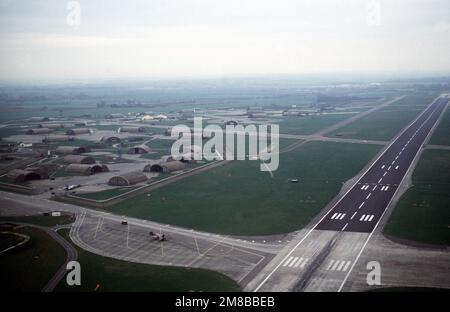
pixel 153 38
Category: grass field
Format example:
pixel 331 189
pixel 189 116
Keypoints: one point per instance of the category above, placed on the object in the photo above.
pixel 441 135
pixel 30 267
pixel 309 124
pixel 384 124
pixel 102 195
pixel 42 220
pixel 240 199
pixel 117 275
pixel 422 213
pixel 8 240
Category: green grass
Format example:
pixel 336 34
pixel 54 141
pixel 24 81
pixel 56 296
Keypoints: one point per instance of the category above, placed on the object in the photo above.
pixel 441 135
pixel 387 122
pixel 309 124
pixel 41 220
pixel 30 267
pixel 102 195
pixel 8 240
pixel 240 199
pixel 117 275
pixel 422 213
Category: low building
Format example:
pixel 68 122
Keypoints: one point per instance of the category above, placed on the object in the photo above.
pixel 39 119
pixel 79 159
pixel 51 125
pixel 20 175
pixel 131 129
pixel 110 139
pixel 57 138
pixel 129 178
pixel 114 116
pixel 165 167
pixel 71 150
pixel 85 169
pixel 139 149
pixel 78 131
pixel 39 131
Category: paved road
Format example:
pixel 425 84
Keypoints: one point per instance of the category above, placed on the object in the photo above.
pixel 322 258
pixel 71 255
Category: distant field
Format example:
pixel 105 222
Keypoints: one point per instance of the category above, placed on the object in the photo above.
pixel 240 199
pixel 30 267
pixel 116 275
pixel 102 195
pixel 387 122
pixel 441 135
pixel 309 124
pixel 422 213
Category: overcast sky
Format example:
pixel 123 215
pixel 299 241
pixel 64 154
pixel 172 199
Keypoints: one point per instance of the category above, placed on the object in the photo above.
pixel 154 38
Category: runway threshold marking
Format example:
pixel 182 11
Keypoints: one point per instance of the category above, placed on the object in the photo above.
pixel 343 196
pixel 286 263
pixel 298 262
pixel 338 265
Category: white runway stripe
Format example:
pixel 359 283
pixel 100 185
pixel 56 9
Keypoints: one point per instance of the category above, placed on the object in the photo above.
pixel 333 216
pixel 293 261
pixel 335 265
pixel 304 263
pixel 342 217
pixel 338 265
pixel 288 261
pixel 298 262
pixel 347 265
pixel 341 265
pixel 371 217
pixel 330 264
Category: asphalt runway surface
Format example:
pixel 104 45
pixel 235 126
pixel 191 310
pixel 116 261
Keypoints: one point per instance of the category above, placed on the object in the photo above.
pixel 364 204
pixel 323 258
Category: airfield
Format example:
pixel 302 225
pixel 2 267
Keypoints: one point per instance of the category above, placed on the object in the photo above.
pixel 323 247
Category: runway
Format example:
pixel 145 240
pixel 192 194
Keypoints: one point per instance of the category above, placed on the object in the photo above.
pixel 361 208
pixel 323 258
